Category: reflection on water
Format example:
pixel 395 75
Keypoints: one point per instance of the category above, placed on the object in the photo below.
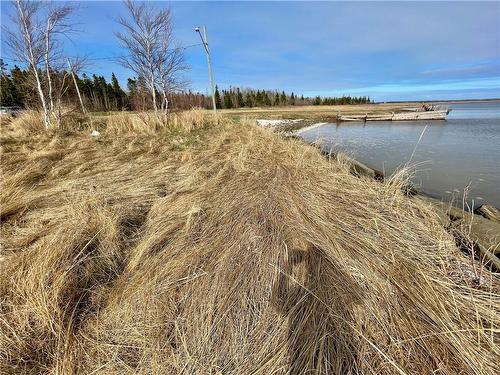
pixel 462 152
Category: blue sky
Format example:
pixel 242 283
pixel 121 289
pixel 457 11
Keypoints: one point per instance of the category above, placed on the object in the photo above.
pixel 388 50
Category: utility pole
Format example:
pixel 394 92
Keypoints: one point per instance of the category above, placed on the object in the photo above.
pixel 76 86
pixel 204 39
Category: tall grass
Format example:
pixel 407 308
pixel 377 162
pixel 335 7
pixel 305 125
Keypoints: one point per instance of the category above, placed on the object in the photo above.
pixel 30 122
pixel 240 253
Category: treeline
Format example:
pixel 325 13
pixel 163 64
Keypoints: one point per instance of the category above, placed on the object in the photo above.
pixel 17 90
pixel 341 100
pixel 239 98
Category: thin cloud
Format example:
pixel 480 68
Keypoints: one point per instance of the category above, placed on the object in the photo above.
pixel 486 69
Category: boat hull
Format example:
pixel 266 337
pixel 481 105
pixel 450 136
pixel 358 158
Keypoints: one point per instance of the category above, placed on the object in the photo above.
pixel 405 116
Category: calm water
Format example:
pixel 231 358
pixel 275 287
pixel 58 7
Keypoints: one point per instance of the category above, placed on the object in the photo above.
pixel 462 152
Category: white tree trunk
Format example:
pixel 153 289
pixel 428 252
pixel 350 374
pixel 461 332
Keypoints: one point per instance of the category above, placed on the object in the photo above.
pixel 76 87
pixel 42 99
pixel 33 61
pixel 153 90
pixel 165 101
pixel 47 66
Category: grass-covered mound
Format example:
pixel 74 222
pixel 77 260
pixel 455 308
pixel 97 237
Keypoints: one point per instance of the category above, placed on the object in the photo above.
pixel 209 247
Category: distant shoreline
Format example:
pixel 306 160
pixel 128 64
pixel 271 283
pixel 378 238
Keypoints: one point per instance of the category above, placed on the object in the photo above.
pixel 312 114
pixel 443 101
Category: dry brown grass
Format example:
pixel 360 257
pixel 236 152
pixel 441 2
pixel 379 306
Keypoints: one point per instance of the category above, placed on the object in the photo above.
pixel 152 124
pixel 30 122
pixel 224 249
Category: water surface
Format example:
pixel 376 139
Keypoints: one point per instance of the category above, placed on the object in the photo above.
pixel 461 153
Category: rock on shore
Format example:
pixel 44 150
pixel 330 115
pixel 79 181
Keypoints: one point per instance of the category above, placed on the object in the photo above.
pixel 482 233
pixel 489 212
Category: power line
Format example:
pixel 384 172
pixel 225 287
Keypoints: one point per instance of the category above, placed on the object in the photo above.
pixel 109 58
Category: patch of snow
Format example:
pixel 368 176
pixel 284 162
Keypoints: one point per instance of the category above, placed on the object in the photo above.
pixel 301 130
pixel 95 133
pixel 266 123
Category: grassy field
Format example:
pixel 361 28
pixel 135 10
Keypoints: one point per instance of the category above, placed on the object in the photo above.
pixel 197 245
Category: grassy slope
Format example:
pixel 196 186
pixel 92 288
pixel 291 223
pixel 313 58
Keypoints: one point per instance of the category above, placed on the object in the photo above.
pixel 221 248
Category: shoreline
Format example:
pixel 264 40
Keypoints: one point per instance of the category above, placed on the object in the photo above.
pixel 477 230
pixel 310 127
pixel 320 113
pixel 448 190
pixel 369 170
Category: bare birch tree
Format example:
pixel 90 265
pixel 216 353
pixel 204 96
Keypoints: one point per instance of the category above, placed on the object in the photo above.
pixel 27 43
pixel 171 66
pixel 148 38
pixel 35 40
pixel 57 25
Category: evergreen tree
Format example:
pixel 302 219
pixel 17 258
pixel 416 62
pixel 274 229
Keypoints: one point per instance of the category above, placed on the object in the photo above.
pixel 23 90
pixel 3 68
pixel 239 99
pixel 258 98
pixel 117 93
pixel 276 98
pixel 86 87
pixel 249 99
pixel 97 98
pixel 218 103
pixel 283 98
pixel 292 99
pixel 227 100
pixel 266 99
pixel 10 96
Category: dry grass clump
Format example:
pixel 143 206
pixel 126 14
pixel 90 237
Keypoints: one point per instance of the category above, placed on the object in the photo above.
pixel 241 253
pixel 30 122
pixel 151 123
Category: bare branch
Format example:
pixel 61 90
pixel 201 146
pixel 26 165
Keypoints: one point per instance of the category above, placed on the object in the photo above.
pixel 27 42
pixel 57 24
pixel 148 38
pixel 36 41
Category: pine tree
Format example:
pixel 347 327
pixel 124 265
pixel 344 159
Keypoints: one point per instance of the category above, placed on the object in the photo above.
pixel 218 103
pixel 283 98
pixel 258 99
pixel 239 99
pixel 276 99
pixel 267 100
pixel 249 101
pixel 20 80
pixel 227 100
pixel 292 99
pixel 104 89
pixel 117 92
pixel 10 95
